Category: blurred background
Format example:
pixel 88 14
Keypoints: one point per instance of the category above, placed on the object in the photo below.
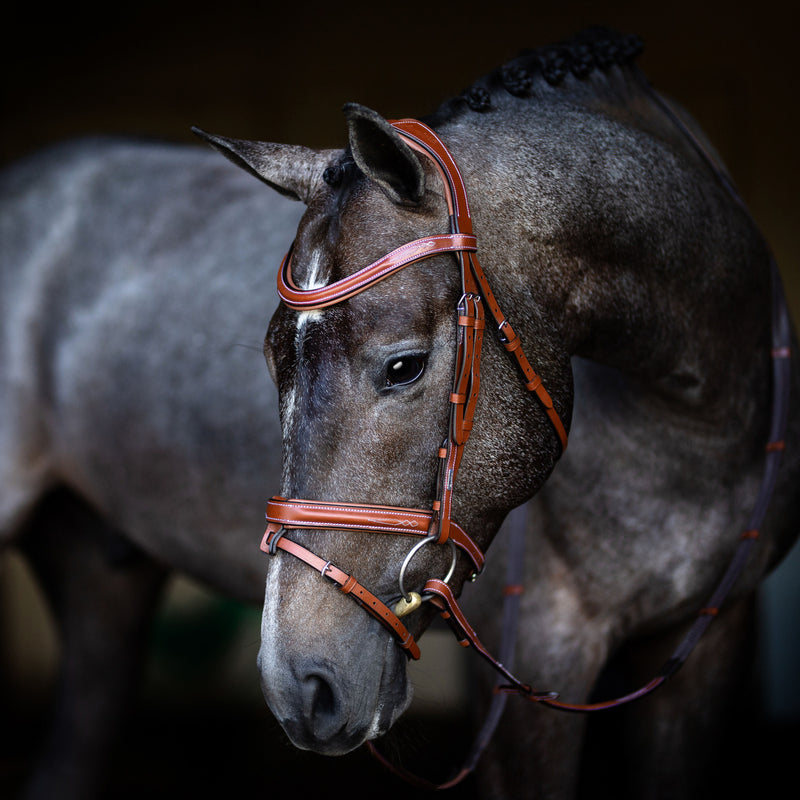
pixel 281 73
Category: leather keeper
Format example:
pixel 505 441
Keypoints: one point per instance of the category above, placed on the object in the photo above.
pixel 479 323
pixel 534 384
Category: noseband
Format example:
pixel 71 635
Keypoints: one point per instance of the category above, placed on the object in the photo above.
pixel 435 523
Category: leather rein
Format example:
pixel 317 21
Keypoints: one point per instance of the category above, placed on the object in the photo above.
pixel 435 525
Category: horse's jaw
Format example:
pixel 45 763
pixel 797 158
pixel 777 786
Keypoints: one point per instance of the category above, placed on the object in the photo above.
pixel 330 693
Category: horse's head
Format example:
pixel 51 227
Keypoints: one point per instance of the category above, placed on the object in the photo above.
pixel 365 388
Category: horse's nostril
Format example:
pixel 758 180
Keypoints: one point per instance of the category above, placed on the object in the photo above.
pixel 323 701
pixel 322 706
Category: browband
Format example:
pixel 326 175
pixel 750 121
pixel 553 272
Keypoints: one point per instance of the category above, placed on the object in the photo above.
pixel 312 299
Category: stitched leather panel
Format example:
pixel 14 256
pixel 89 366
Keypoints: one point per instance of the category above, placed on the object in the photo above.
pixel 311 299
pixel 368 518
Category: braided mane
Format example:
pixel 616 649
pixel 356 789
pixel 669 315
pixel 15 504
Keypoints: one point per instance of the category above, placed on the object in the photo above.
pixel 595 49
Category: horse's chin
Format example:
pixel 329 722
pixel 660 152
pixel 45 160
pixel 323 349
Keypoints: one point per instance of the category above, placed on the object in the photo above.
pixel 347 741
pixel 348 738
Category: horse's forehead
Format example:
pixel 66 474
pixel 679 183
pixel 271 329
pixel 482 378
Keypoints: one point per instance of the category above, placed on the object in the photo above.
pixel 311 253
pixel 341 234
pixel 410 305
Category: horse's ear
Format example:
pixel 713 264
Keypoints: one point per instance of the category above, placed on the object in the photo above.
pixel 383 156
pixel 292 170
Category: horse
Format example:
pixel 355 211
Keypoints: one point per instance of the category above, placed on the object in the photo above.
pixel 555 255
pixel 138 420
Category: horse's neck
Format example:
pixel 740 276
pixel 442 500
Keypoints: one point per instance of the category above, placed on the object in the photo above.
pixel 632 250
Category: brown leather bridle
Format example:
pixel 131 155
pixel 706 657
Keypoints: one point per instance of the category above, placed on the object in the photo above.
pixel 436 523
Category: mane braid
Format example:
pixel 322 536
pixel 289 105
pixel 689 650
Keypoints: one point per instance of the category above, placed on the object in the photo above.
pixel 589 51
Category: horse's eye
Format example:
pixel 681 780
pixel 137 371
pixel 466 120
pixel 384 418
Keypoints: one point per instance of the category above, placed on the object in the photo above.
pixel 404 370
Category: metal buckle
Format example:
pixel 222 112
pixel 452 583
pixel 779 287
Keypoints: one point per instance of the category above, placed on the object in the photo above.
pixel 463 306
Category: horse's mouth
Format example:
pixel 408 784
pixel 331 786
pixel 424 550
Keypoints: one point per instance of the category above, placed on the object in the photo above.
pixel 334 711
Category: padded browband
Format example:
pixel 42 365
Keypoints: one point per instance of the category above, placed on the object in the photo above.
pixel 311 299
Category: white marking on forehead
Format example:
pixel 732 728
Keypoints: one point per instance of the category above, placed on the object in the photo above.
pixel 314 280
pixel 304 317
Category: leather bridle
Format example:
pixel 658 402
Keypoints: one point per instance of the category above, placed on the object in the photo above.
pixel 435 523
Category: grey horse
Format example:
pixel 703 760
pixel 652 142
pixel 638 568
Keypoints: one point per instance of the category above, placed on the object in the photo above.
pixel 138 424
pixel 640 289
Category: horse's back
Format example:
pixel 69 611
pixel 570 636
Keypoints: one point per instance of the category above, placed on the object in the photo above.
pixel 135 283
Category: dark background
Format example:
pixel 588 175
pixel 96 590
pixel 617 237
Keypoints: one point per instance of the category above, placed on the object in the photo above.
pixel 282 73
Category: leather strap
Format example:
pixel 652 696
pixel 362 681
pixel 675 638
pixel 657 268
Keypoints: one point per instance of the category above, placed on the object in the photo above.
pixel 312 299
pixel 512 595
pixel 512 343
pixel 451 612
pixel 273 539
pixel 422 139
pixel 292 514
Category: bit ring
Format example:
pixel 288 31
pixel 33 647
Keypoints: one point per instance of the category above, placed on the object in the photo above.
pixel 413 551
